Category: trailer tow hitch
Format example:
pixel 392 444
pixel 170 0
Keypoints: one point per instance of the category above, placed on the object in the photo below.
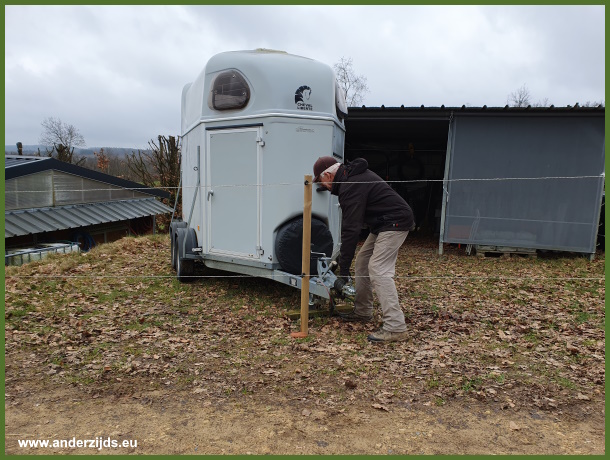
pixel 326 277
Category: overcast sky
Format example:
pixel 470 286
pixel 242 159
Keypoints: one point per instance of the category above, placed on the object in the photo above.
pixel 117 72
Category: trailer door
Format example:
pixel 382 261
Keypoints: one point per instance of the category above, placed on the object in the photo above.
pixel 232 194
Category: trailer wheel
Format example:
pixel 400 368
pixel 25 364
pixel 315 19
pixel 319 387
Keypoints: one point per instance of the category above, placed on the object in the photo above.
pixel 174 245
pixel 173 250
pixel 173 228
pixel 185 268
pixel 289 245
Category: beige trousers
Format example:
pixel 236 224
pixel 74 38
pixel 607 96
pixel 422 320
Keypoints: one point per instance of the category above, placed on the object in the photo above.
pixel 375 269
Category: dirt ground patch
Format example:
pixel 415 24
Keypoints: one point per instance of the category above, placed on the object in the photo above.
pixel 505 355
pixel 166 422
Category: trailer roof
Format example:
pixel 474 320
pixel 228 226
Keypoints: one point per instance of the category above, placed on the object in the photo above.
pixel 268 82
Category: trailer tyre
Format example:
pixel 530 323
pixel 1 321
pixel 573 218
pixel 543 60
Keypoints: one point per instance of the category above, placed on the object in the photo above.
pixel 185 268
pixel 175 252
pixel 173 228
pixel 289 245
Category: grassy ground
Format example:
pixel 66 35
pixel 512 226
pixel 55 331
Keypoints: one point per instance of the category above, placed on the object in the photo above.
pixel 515 333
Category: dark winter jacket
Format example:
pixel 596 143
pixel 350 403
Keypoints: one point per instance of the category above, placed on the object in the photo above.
pixel 366 200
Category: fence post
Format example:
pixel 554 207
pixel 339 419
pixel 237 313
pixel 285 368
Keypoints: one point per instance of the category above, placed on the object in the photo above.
pixel 306 258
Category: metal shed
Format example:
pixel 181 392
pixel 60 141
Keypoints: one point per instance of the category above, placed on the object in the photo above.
pixel 49 200
pixel 502 177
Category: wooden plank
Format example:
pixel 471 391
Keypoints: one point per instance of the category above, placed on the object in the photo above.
pixel 504 251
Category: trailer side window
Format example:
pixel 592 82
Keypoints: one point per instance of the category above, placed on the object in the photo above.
pixel 229 91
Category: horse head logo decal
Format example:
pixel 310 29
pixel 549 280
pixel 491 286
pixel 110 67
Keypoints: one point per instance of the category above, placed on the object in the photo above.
pixel 301 95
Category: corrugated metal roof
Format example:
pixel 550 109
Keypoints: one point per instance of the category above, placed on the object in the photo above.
pixel 575 107
pixel 18 160
pixel 447 110
pixel 38 220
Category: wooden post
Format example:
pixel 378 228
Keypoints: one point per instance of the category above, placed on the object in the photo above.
pixel 306 258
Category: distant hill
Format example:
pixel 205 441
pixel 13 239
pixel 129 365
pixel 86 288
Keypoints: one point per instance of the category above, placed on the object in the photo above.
pixel 33 150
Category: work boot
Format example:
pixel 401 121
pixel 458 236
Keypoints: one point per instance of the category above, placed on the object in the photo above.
pixel 351 317
pixel 381 335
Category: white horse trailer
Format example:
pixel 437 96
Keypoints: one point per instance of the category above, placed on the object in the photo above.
pixel 253 124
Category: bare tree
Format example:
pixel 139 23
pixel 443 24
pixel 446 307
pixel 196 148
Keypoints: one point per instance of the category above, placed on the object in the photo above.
pixel 543 103
pixel 519 98
pixel 60 139
pixel 594 104
pixel 158 167
pixel 108 161
pixel 117 166
pixel 355 86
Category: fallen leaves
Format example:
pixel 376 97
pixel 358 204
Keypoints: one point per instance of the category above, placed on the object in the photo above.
pixel 270 372
pixel 380 407
pixel 504 335
pixel 512 339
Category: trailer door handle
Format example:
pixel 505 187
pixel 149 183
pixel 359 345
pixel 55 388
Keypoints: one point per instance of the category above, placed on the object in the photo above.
pixel 210 193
